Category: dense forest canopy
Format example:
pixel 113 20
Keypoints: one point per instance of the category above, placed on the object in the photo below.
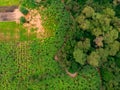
pixel 79 49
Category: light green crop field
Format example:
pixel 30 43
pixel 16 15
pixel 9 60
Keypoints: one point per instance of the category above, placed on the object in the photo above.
pixel 9 2
pixel 12 31
pixel 6 27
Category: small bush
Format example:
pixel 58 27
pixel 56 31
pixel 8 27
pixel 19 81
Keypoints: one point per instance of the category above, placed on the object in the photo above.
pixel 24 10
pixel 22 20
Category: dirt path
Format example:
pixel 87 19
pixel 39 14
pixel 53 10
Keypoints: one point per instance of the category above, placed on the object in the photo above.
pixel 10 15
pixel 73 75
pixel 17 15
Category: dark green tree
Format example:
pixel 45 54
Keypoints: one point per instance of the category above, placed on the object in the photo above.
pixel 24 10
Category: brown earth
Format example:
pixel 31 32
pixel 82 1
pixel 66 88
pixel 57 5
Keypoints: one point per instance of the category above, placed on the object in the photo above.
pixel 34 22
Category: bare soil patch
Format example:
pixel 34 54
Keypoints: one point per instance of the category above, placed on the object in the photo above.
pixel 17 15
pixel 34 23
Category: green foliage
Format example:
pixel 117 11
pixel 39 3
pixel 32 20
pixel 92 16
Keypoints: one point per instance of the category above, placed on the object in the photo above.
pixel 110 75
pixel 104 3
pixel 86 80
pixel 22 20
pixel 111 36
pixel 84 45
pixel 24 10
pixel 11 31
pixel 105 34
pixel 9 3
pixel 81 32
pixel 93 59
pixel 88 12
pixel 58 19
pixel 117 61
pixel 117 8
pixel 109 12
pixel 29 65
pixel 79 56
pixel 29 3
pixel 103 53
pixel 113 48
pixel 84 24
pixel 80 51
pixel 106 75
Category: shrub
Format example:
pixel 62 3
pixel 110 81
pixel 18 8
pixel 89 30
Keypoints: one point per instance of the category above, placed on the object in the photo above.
pixel 24 10
pixel 22 20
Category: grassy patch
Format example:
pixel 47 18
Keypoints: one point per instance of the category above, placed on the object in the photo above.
pixel 8 30
pixel 9 2
pixel 10 27
pixel 11 31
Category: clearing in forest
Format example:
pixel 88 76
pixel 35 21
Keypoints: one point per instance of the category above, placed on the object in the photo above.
pixel 11 29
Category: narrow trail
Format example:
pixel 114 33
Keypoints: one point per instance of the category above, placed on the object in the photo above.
pixel 73 75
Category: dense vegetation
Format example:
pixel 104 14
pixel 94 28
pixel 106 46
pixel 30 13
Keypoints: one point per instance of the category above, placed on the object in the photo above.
pixel 83 39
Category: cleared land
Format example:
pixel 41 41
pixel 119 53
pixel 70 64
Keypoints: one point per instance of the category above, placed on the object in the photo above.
pixel 10 30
